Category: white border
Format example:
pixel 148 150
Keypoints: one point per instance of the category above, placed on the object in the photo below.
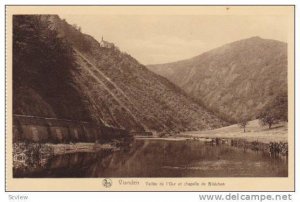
pixel 132 196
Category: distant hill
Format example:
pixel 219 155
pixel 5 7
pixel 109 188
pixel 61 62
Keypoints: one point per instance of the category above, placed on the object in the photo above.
pixel 60 72
pixel 236 79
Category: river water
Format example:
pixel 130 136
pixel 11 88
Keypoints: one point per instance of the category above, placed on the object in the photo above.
pixel 161 158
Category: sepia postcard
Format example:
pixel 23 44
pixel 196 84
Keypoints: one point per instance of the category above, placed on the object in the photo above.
pixel 150 98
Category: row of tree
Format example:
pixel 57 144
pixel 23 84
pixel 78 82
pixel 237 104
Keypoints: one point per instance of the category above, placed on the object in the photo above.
pixel 274 112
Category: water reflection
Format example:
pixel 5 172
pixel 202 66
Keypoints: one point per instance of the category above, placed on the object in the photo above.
pixel 158 158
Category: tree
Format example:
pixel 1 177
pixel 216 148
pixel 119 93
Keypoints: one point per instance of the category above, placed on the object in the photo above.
pixel 268 118
pixel 243 122
pixel 275 111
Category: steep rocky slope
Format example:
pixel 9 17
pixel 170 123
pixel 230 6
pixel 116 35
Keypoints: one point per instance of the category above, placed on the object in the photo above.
pixel 100 84
pixel 236 79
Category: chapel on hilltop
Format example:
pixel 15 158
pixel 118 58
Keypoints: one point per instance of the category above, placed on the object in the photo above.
pixel 106 44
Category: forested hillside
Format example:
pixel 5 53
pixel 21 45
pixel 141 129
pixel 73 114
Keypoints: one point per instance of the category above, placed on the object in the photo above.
pixel 60 72
pixel 238 79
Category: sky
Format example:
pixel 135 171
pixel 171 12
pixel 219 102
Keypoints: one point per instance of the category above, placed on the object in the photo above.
pixel 155 39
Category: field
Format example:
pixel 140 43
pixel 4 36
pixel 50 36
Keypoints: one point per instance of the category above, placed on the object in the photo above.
pixel 254 132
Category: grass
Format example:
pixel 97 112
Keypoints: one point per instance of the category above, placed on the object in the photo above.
pixel 254 132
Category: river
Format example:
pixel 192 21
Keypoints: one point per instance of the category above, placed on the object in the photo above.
pixel 160 158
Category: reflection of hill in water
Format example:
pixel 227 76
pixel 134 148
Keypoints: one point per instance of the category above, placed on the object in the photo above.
pixel 163 159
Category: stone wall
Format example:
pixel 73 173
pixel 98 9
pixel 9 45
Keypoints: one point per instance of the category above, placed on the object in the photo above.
pixel 51 130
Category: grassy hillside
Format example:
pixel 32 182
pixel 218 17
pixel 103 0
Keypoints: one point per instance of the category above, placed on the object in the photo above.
pixel 236 79
pixel 101 84
pixel 254 132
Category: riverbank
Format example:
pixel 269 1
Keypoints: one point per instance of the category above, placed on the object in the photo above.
pixel 159 158
pixel 171 138
pixel 257 138
pixel 79 147
pixel 28 154
pixel 254 132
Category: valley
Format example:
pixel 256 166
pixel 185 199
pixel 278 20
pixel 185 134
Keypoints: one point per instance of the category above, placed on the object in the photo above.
pixel 235 80
pixel 86 108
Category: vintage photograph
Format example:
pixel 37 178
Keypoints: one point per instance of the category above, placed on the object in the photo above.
pixel 97 95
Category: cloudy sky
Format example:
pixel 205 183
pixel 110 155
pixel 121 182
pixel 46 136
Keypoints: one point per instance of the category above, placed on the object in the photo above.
pixel 160 39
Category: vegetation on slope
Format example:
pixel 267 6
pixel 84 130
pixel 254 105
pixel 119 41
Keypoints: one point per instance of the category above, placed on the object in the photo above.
pixel 42 82
pixel 70 75
pixel 236 79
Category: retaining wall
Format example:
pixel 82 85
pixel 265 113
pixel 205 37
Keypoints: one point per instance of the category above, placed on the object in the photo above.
pixel 41 129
